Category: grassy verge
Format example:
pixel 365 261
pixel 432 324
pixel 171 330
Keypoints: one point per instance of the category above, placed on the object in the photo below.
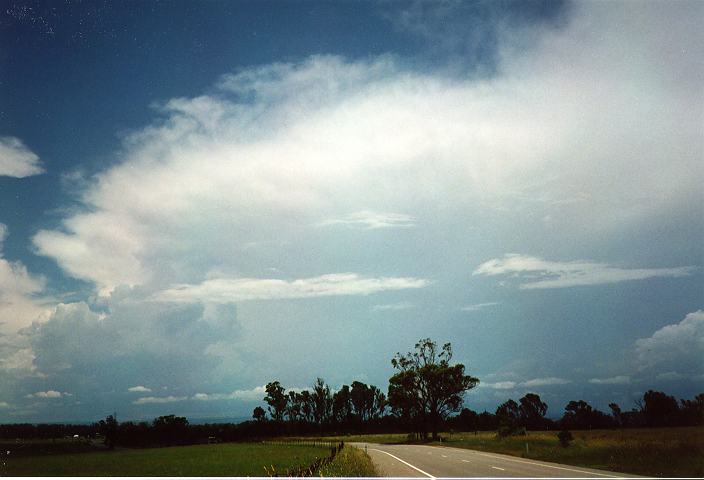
pixel 350 462
pixel 671 452
pixel 228 459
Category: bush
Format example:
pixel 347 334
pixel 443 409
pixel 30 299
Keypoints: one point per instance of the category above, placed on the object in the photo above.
pixel 565 437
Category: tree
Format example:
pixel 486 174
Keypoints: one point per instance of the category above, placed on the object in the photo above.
pixel 660 409
pixel 342 404
pixel 362 398
pixel 259 414
pixel 693 410
pixel 306 400
pixel 532 411
pixel 616 413
pixel 108 428
pixel 321 401
pixel 277 399
pixel 508 415
pixel 293 406
pixel 426 386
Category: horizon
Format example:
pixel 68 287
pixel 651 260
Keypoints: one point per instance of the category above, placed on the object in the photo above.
pixel 200 198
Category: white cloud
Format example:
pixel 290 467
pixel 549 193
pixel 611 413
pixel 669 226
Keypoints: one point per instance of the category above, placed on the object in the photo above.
pixel 500 385
pixel 536 382
pixel 679 346
pixel 541 382
pixel 392 307
pixel 139 388
pixel 47 394
pixel 4 405
pixel 478 306
pixel 254 394
pixel 169 399
pixel 617 380
pixel 16 160
pixel 279 147
pixel 20 300
pixel 537 273
pixel 369 220
pixel 225 290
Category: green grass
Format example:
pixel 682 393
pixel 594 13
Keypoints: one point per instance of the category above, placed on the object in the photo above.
pixel 227 459
pixel 350 462
pixel 672 452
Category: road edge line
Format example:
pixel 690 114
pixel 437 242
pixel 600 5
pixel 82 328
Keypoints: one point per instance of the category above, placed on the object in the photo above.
pixel 404 462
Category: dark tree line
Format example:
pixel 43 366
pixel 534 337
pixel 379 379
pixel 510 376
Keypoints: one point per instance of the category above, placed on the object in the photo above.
pixel 424 397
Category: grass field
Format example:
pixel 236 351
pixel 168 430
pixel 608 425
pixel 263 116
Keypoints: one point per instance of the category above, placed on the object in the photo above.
pixel 227 459
pixel 658 452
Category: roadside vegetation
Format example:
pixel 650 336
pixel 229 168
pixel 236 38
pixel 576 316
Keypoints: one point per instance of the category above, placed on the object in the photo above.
pixel 222 460
pixel 350 462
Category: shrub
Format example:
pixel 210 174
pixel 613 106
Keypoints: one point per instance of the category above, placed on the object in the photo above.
pixel 565 437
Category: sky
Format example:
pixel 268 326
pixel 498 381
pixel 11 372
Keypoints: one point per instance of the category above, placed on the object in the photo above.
pixel 198 198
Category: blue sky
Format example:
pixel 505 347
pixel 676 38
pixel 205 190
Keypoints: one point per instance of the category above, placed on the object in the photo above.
pixel 197 198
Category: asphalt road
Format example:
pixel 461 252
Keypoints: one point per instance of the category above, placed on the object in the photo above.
pixel 433 462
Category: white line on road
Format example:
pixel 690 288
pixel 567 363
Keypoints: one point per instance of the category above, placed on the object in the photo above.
pixel 498 468
pixel 549 466
pixel 466 461
pixel 443 456
pixel 404 462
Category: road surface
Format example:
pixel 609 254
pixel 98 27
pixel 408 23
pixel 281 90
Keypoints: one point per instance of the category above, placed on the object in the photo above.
pixel 433 462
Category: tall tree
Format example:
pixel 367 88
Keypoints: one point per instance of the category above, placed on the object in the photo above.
pixel 427 386
pixel 342 404
pixel 322 401
pixel 660 409
pixel 259 414
pixel 532 410
pixel 277 399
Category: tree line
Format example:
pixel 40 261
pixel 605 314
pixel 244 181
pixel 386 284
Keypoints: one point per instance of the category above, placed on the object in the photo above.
pixel 425 396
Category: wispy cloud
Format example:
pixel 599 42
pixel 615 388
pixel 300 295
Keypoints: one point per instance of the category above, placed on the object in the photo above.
pixel 535 382
pixel 370 220
pixel 169 399
pixel 139 388
pixel 16 160
pixel 225 290
pixel 478 306
pixel 393 307
pixel 617 380
pixel 537 273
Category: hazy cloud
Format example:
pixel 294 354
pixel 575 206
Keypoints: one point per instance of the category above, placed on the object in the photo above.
pixel 47 394
pixel 225 290
pixel 16 160
pixel 372 220
pixel 169 399
pixel 478 306
pixel 392 307
pixel 538 273
pixel 617 380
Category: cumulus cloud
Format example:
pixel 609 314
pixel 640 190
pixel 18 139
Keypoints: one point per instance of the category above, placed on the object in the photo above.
pixel 675 347
pixel 617 380
pixel 16 160
pixel 478 306
pixel 253 394
pixel 139 388
pixel 225 290
pixel 537 273
pixel 20 293
pixel 372 220
pixel 554 132
pixel 47 394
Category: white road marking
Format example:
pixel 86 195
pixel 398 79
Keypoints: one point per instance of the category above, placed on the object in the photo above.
pixel 405 463
pixel 443 456
pixel 498 468
pixel 466 461
pixel 549 466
